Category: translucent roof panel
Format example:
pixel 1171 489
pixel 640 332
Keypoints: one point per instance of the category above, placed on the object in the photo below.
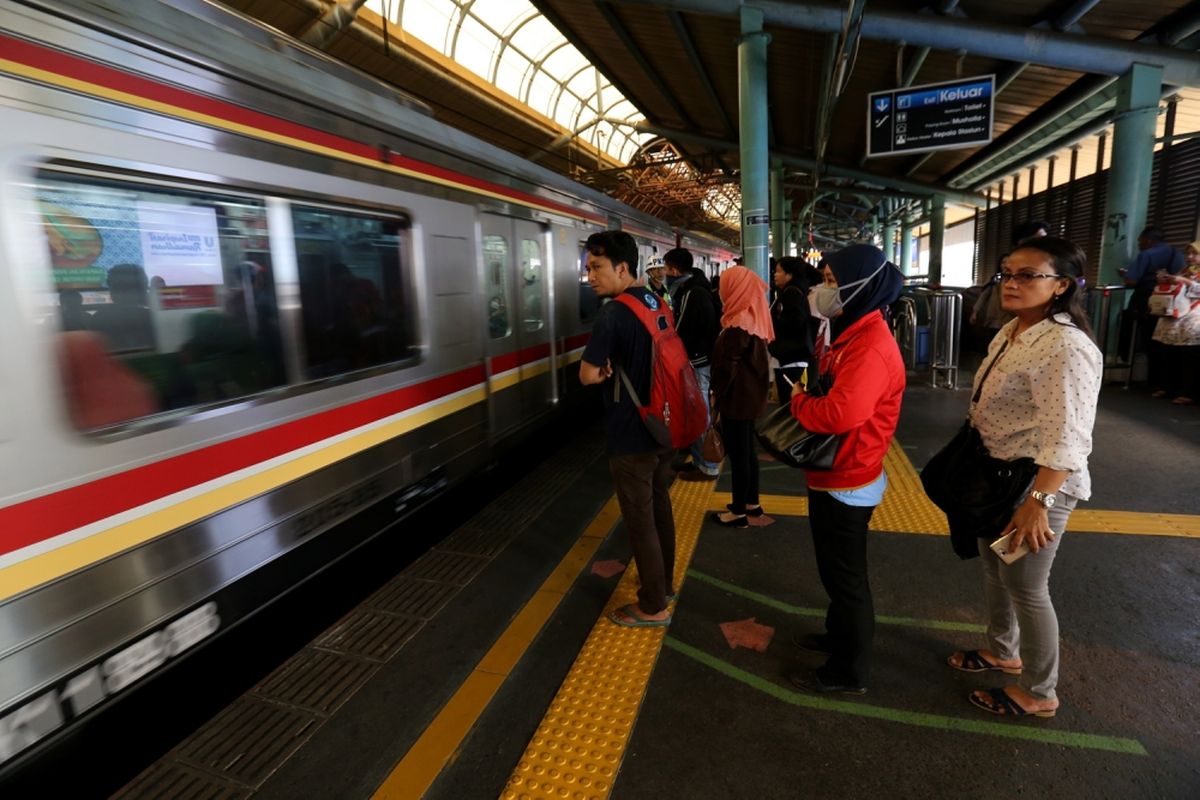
pixel 513 47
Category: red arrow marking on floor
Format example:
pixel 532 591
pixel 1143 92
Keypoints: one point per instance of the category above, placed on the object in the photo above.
pixel 747 633
pixel 760 521
pixel 606 569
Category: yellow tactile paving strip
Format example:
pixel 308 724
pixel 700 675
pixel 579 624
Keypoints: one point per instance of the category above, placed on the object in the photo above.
pixel 577 750
pixel 437 746
pixel 578 747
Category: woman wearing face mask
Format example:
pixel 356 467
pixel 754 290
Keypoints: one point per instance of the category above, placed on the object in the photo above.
pixel 740 373
pixel 863 406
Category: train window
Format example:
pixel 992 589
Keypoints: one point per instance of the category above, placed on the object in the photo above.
pixel 495 267
pixel 531 284
pixel 589 301
pixel 164 296
pixel 352 289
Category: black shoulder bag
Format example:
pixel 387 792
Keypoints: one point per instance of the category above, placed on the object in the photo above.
pixel 782 435
pixel 977 492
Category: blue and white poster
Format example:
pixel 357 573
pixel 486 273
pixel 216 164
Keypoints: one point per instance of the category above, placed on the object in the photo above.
pixel 180 244
pixel 936 116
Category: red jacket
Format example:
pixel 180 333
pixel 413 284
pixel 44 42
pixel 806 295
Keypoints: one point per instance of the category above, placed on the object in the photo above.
pixel 863 404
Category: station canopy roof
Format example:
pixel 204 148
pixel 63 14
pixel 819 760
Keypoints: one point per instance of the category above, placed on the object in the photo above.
pixel 640 97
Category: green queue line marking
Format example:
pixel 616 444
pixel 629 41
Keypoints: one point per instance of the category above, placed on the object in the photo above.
pixel 800 611
pixel 1112 744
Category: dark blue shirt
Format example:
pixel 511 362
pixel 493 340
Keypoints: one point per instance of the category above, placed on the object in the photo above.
pixel 620 337
pixel 1149 261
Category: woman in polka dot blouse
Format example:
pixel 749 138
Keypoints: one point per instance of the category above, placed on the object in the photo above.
pixel 1039 401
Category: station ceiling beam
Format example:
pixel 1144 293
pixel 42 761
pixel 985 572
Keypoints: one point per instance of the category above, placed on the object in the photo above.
pixel 905 185
pixel 1090 98
pixel 1045 47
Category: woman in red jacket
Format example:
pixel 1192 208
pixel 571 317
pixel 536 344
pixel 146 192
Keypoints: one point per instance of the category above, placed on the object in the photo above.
pixel 863 405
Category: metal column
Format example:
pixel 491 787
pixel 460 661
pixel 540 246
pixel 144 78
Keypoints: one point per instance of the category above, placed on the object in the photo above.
pixel 752 119
pixel 889 241
pixel 1128 198
pixel 787 226
pixel 937 238
pixel 906 248
pixel 778 222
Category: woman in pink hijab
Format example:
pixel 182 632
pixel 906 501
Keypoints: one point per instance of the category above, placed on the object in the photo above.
pixel 740 372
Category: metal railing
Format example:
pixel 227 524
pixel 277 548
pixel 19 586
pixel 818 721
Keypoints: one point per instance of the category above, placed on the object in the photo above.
pixel 906 330
pixel 945 334
pixel 1104 306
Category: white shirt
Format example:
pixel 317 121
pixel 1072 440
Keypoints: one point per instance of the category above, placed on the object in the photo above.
pixel 1040 399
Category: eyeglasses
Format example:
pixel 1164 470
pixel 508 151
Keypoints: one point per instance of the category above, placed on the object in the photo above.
pixel 1023 278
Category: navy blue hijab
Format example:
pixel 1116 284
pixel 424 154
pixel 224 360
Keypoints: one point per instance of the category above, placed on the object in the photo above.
pixel 852 264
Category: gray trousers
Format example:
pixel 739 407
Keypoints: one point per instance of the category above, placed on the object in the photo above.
pixel 1021 619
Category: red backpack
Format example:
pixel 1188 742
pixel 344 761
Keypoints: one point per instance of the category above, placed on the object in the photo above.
pixel 675 414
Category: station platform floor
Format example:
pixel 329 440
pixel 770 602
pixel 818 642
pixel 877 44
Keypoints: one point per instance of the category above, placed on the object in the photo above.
pixel 488 668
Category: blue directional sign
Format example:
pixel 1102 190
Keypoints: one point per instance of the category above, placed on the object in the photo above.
pixel 937 116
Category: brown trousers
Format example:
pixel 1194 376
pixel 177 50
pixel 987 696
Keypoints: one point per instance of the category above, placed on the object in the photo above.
pixel 642 481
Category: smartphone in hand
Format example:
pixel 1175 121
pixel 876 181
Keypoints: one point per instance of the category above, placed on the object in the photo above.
pixel 1000 548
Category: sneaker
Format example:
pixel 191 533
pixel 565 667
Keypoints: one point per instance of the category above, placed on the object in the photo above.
pixel 813 682
pixel 813 643
pixel 696 474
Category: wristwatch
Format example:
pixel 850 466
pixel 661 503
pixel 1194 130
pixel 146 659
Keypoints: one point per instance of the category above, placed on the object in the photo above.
pixel 1047 500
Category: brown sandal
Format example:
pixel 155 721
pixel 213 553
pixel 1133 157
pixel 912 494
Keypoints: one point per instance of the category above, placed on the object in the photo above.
pixel 973 661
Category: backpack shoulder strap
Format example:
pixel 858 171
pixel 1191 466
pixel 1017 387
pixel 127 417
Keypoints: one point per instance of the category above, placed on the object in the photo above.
pixel 646 317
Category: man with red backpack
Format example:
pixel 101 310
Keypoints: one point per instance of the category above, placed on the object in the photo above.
pixel 621 354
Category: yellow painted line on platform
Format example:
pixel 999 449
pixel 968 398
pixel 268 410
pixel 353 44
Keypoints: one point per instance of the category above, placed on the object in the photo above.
pixel 906 509
pixel 1137 523
pixel 424 761
pixel 579 744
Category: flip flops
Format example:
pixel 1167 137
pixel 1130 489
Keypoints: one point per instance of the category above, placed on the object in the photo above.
pixel 973 661
pixel 630 617
pixel 997 701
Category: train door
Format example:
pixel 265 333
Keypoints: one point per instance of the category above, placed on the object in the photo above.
pixel 516 305
pixel 533 317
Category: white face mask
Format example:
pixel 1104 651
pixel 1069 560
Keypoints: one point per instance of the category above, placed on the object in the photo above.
pixel 827 300
pixel 824 302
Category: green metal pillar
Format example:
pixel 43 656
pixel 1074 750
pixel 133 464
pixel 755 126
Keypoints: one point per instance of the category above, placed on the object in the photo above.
pixel 1138 93
pixel 937 237
pixel 787 226
pixel 778 223
pixel 1128 198
pixel 753 123
pixel 906 237
pixel 889 241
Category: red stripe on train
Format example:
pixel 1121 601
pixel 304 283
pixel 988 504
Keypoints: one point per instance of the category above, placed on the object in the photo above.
pixel 77 68
pixel 41 518
pixel 517 358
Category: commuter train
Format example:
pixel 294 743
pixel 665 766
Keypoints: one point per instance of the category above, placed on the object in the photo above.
pixel 246 294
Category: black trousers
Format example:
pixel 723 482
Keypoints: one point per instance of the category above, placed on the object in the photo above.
pixel 642 482
pixel 839 536
pixel 738 435
pixel 1175 368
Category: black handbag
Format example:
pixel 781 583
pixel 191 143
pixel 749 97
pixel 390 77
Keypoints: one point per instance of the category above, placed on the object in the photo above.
pixel 782 435
pixel 977 492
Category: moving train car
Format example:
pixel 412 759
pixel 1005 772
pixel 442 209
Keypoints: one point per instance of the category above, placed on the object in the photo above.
pixel 246 294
